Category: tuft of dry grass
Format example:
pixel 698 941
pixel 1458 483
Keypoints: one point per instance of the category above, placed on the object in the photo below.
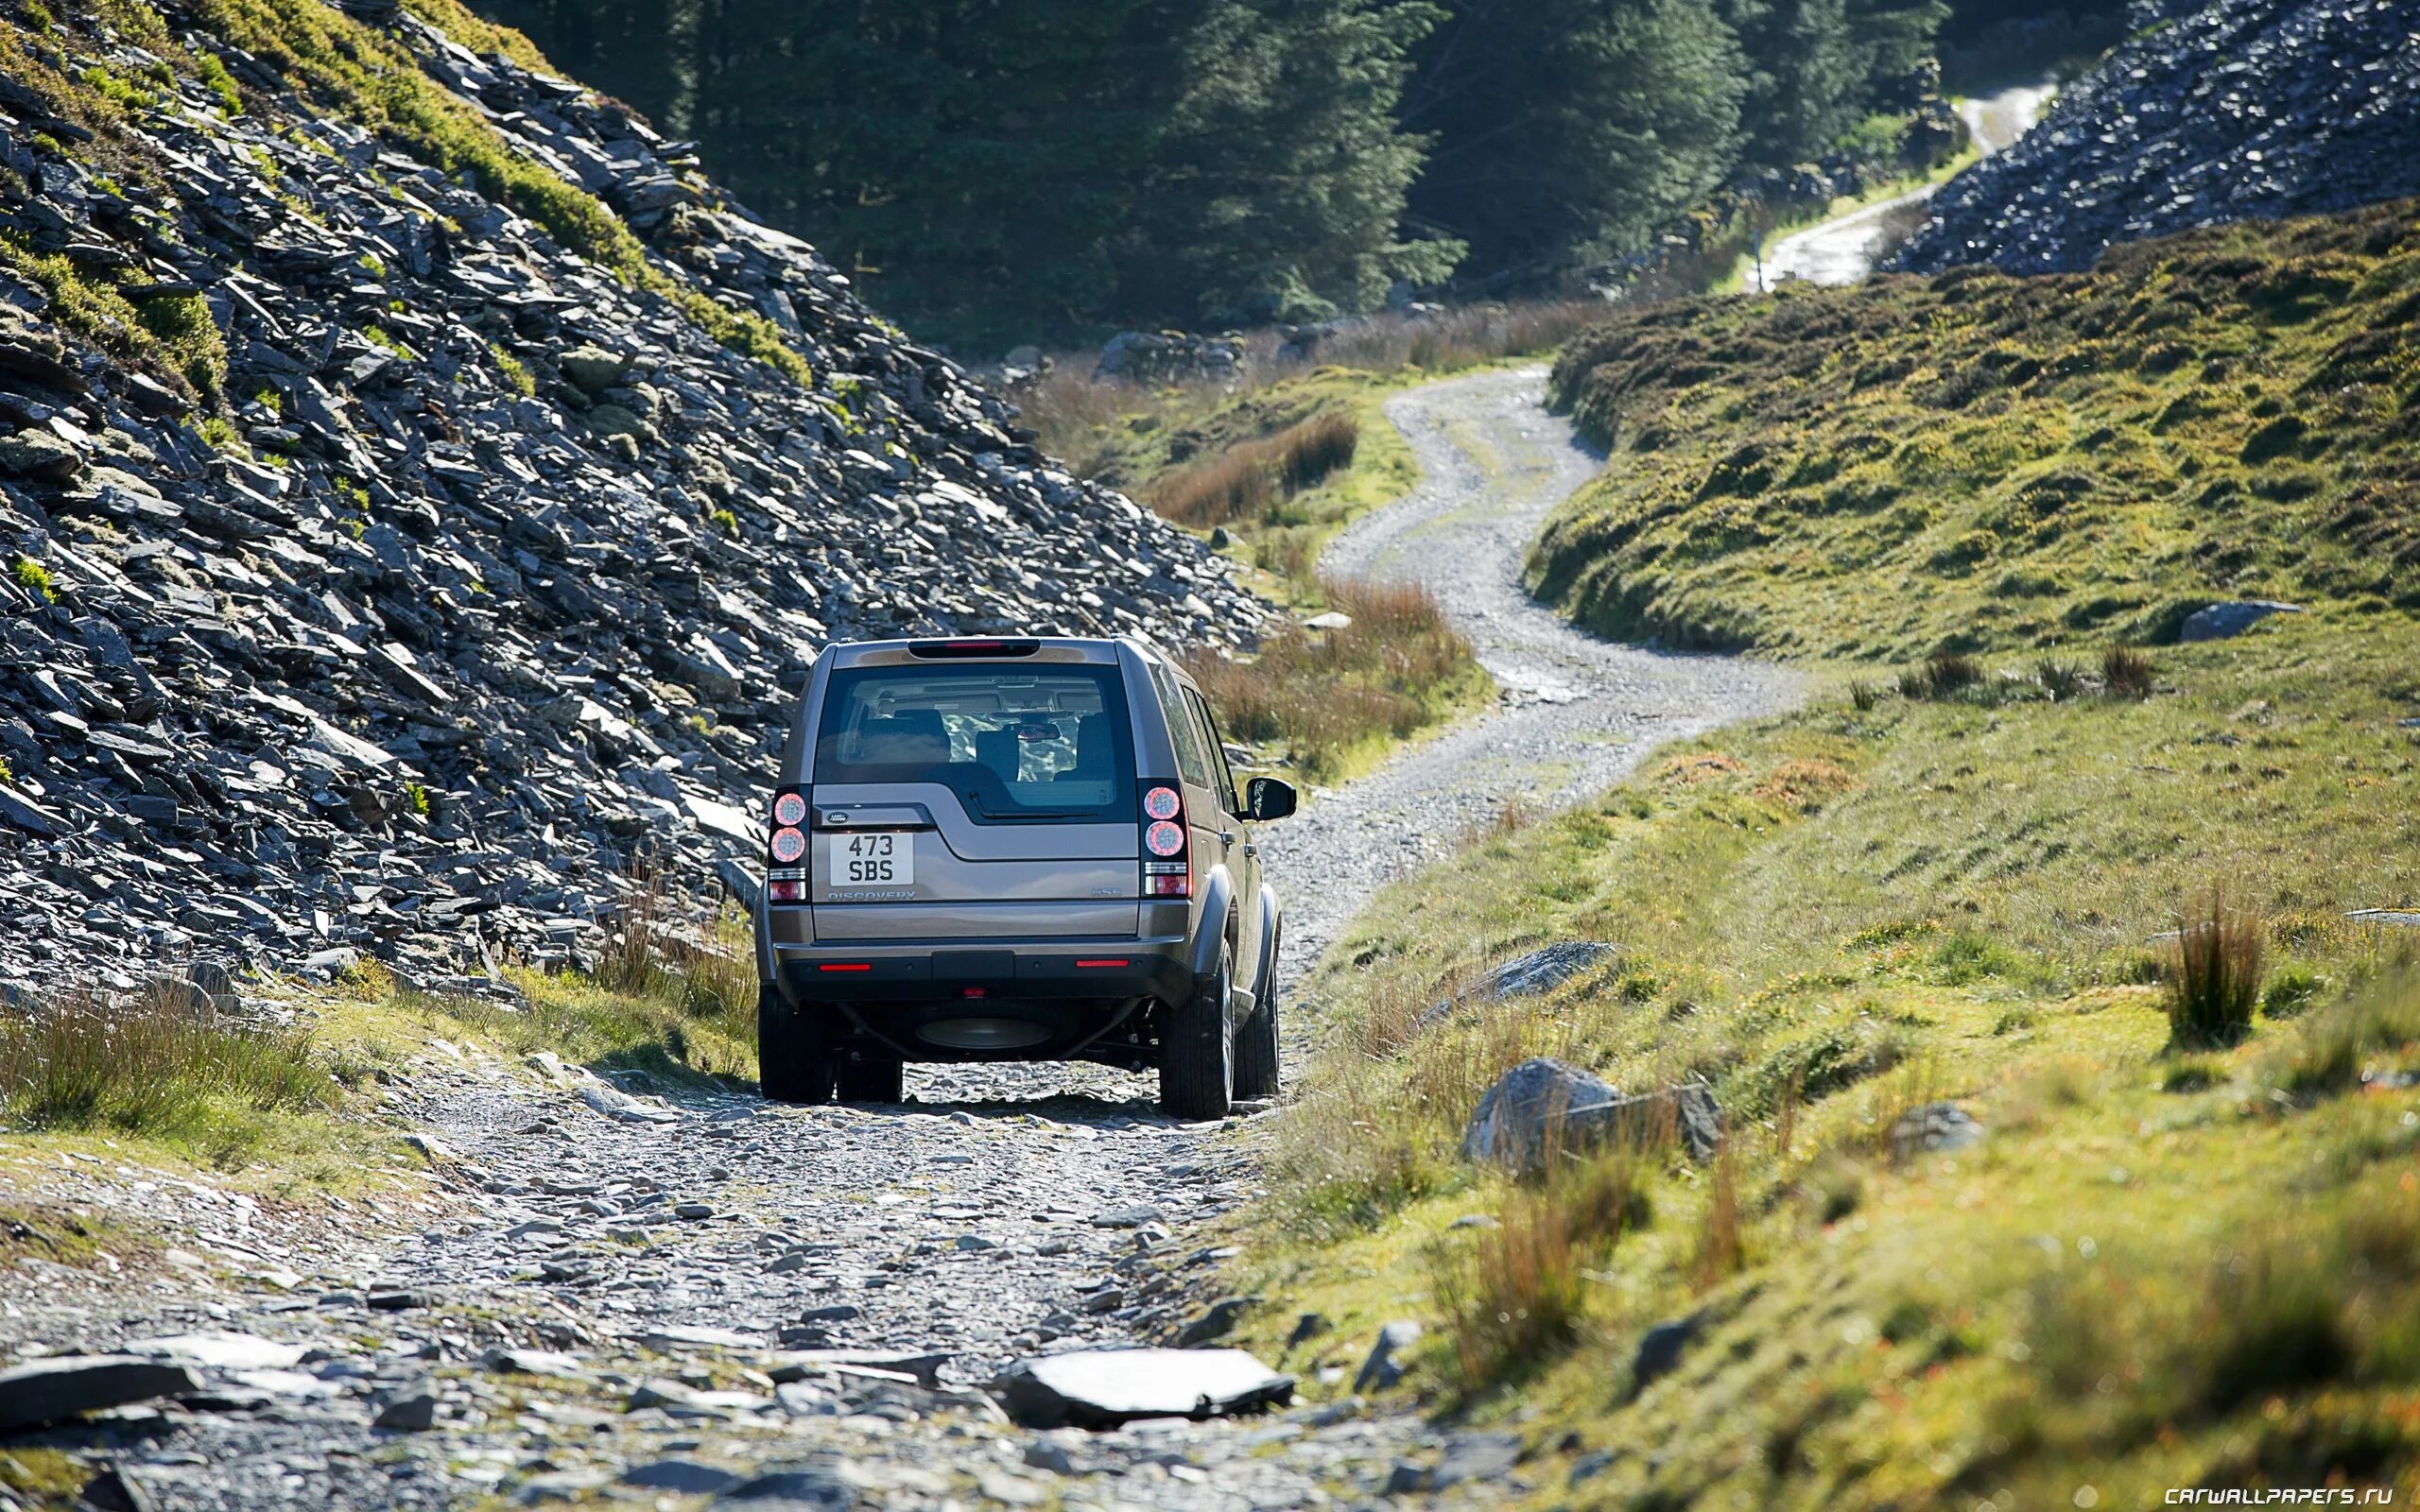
pixel 1517 1293
pixel 1722 1247
pixel 2126 673
pixel 1083 420
pixel 1325 693
pixel 2216 967
pixel 653 953
pixel 1247 481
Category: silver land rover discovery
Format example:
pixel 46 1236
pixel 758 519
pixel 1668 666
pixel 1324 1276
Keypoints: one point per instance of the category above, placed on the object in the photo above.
pixel 1015 849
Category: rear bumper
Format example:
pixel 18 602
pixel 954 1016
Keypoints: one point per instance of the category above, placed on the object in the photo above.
pixel 1003 972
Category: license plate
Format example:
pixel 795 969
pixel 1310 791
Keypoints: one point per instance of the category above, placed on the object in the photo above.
pixel 874 858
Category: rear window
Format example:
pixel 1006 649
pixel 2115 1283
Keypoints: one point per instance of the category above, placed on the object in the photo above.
pixel 1014 744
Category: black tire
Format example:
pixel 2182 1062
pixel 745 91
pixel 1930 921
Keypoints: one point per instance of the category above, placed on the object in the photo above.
pixel 1197 1055
pixel 871 1075
pixel 794 1063
pixel 1256 1060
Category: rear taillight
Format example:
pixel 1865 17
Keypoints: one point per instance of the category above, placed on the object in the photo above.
pixel 786 889
pixel 1168 863
pixel 786 845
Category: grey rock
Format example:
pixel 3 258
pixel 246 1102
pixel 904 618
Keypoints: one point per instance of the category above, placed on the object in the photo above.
pixel 50 1391
pixel 1384 1366
pixel 1135 1218
pixel 408 1412
pixel 1101 1388
pixel 113 1490
pixel 805 1488
pixel 685 1477
pixel 1543 1104
pixel 1474 1459
pixel 1935 1127
pixel 923 1365
pixel 1539 970
pixel 2222 622
pixel 591 367
pixel 220 1350
pixel 1215 1322
pixel 1660 1350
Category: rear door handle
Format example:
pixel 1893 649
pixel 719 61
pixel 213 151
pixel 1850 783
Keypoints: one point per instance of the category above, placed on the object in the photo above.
pixel 1226 836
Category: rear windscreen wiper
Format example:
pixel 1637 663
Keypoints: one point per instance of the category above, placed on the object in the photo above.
pixel 975 799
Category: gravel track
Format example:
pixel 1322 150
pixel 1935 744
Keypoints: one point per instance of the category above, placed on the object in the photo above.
pixel 1006 1210
pixel 1844 249
pixel 1577 713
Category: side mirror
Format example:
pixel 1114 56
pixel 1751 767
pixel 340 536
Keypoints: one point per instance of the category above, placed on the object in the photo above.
pixel 1266 797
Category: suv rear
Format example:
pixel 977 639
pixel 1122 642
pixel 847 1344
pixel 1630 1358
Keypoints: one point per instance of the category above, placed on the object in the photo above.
pixel 1015 849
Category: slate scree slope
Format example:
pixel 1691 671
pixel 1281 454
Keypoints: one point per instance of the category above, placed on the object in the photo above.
pixel 2213 112
pixel 489 587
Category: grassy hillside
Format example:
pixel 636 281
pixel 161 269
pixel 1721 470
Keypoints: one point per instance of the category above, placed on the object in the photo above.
pixel 1977 461
pixel 2182 1252
pixel 2166 1263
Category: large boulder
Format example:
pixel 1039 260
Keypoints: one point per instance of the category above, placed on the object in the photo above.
pixel 2224 622
pixel 1543 1104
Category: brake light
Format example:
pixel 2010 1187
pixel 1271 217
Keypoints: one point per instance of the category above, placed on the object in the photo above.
pixel 790 809
pixel 972 645
pixel 788 846
pixel 786 889
pixel 1168 863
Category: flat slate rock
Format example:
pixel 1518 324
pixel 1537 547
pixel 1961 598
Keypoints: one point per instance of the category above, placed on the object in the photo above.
pixel 1102 1388
pixel 924 1365
pixel 220 1350
pixel 1539 970
pixel 50 1391
pixel 2221 622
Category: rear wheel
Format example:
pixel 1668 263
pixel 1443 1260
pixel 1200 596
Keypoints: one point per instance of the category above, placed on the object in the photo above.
pixel 1197 1055
pixel 1256 1042
pixel 794 1060
pixel 872 1076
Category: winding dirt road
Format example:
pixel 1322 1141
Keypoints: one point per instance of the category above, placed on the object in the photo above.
pixel 591 1287
pixel 1843 251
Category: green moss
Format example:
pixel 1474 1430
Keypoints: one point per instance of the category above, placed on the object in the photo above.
pixel 171 338
pixel 726 521
pixel 222 435
pixel 33 577
pixel 516 372
pixel 215 79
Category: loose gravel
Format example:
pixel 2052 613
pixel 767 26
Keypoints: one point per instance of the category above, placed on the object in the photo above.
pixel 617 1290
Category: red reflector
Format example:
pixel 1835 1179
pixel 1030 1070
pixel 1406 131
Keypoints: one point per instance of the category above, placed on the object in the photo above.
pixel 1102 963
pixel 974 992
pixel 831 967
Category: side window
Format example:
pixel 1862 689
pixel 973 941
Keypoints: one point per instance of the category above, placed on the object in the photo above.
pixel 1222 781
pixel 1190 759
